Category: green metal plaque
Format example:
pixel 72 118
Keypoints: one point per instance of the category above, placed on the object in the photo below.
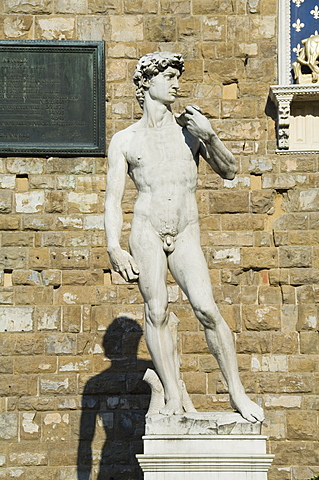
pixel 52 98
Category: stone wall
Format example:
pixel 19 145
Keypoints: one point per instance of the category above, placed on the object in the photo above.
pixel 71 332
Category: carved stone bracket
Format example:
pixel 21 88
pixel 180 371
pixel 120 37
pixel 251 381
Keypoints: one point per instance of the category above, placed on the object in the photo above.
pixel 283 96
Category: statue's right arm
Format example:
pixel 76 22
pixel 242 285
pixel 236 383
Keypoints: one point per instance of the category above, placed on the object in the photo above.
pixel 121 260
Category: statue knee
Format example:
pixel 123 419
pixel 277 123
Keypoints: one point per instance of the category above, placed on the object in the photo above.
pixel 209 316
pixel 156 315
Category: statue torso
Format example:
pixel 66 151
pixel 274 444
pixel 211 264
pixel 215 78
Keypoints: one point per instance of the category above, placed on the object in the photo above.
pixel 163 165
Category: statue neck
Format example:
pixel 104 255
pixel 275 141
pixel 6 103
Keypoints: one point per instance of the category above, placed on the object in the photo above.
pixel 156 114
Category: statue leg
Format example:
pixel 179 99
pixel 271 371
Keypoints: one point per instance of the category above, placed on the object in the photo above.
pixel 188 266
pixel 147 251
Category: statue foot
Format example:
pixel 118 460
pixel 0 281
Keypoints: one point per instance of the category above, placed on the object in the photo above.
pixel 247 408
pixel 172 407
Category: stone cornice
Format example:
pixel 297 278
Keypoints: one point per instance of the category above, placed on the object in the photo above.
pixel 293 92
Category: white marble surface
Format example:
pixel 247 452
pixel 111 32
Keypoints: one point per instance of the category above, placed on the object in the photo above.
pixel 204 446
pixel 200 423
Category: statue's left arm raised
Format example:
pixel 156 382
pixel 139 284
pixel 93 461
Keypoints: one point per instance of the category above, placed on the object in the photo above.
pixel 121 260
pixel 212 148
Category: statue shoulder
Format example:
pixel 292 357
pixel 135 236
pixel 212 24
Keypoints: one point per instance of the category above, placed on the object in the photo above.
pixel 122 138
pixel 122 134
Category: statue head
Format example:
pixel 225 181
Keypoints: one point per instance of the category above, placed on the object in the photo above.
pixel 151 65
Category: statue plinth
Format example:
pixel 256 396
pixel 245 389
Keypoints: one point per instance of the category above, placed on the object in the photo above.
pixel 204 446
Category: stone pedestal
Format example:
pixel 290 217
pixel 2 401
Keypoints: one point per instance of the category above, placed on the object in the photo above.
pixel 203 446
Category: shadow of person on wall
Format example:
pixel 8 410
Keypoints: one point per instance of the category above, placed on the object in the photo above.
pixel 117 399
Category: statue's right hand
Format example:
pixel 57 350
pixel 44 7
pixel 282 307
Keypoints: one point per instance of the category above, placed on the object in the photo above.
pixel 124 264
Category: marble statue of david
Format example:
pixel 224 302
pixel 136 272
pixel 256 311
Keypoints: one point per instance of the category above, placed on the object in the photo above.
pixel 161 152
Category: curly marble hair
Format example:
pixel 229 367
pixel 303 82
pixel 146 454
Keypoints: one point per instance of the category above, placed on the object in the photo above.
pixel 151 65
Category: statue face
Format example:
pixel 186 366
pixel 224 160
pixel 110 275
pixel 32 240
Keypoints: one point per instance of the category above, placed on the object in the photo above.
pixel 164 86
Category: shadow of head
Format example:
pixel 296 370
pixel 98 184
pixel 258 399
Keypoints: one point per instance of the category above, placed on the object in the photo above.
pixel 122 338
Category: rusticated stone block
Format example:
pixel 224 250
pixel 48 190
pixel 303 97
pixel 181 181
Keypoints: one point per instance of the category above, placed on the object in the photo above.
pixel 292 221
pixel 33 6
pixel 25 165
pixel 295 256
pixel 17 239
pixel 309 343
pixel 229 202
pixel 30 428
pixel 82 202
pixel 74 295
pixel 16 319
pixel 70 258
pixel 224 257
pixel 56 426
pixel 245 222
pixel 262 257
pixel 283 401
pixel 304 472
pixel 7 181
pixel 303 276
pixel 36 365
pixel 194 343
pixel 285 343
pixel 126 28
pixel 13 257
pixel 6 293
pixel 116 71
pixel 39 404
pixel 261 317
pixel 205 6
pixel 74 364
pixel 275 426
pixel 294 383
pixel 55 28
pixel 262 201
pixel 253 342
pixel 71 318
pixel 307 317
pixel 5 201
pixel 55 202
pixel 21 344
pixel 48 317
pixel 28 454
pixel 29 202
pixel 38 222
pixel 269 295
pixel 288 294
pixel 27 295
pixel 302 363
pixel 58 384
pixel 301 452
pixel 18 385
pixel 51 277
pixel 8 426
pixel 6 365
pixel 100 6
pixel 214 28
pixel 11 222
pixel 176 7
pixel 70 6
pixel 79 277
pixel 102 317
pixel 160 29
pixel 307 294
pixel 60 344
pixel 39 258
